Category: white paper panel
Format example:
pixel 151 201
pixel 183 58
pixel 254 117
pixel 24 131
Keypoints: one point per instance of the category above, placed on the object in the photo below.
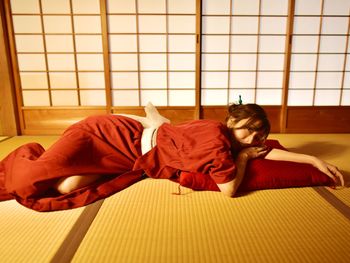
pixel 346 98
pixel 313 25
pixel 152 43
pixel 335 25
pixel 28 43
pixel 270 79
pixel 303 62
pixel 88 43
pixel 91 80
pixel 329 80
pixel 214 80
pixel 271 62
pixel 64 80
pixel 245 7
pixel 272 44
pixel 121 6
pixel 86 6
pixel 26 24
pixel 242 79
pixel 336 7
pixel 273 25
pixel 347 80
pixel 309 7
pixel 182 61
pixel 182 24
pixel 121 24
pixel 182 43
pixel 33 80
pixel 302 80
pixel 93 97
pixel 90 61
pixel 331 62
pixel 55 7
pixel 300 97
pixel 305 44
pixel 214 97
pixel 269 96
pixel 36 98
pixel 31 62
pixel 182 6
pixel 123 43
pixel 214 7
pixel 61 62
pixel 244 43
pixel 64 98
pixel 125 97
pixel 151 6
pixel 274 7
pixel 247 95
pixel 215 43
pixel 57 24
pixel 214 62
pixel 59 43
pixel 124 62
pixel 157 97
pixel 333 44
pixel 182 97
pixel 87 24
pixel 243 62
pixel 348 62
pixel 153 80
pixel 244 25
pixel 215 25
pixel 152 24
pixel 182 80
pixel 25 6
pixel 327 97
pixel 125 80
pixel 153 61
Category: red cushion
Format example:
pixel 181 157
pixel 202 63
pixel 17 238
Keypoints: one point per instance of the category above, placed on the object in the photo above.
pixel 264 174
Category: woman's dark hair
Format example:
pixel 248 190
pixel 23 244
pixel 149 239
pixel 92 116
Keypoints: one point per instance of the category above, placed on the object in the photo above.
pixel 257 118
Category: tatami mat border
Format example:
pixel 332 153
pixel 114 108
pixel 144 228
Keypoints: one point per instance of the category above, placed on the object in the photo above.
pixel 5 138
pixel 334 201
pixel 72 242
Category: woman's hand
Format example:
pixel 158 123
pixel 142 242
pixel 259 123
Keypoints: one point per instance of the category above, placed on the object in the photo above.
pixel 252 152
pixel 330 170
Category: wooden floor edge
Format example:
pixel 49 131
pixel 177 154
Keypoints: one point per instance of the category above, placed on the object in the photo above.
pixel 334 201
pixel 76 235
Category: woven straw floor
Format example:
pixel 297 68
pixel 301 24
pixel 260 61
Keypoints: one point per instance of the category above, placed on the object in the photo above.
pixel 148 223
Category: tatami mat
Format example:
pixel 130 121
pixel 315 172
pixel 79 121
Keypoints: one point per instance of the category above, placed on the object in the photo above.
pixel 29 236
pixel 147 223
pixel 26 235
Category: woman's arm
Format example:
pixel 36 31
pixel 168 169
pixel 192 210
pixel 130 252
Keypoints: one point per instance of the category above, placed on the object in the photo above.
pixel 329 169
pixel 230 188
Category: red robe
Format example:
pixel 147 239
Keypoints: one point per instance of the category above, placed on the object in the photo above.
pixel 110 145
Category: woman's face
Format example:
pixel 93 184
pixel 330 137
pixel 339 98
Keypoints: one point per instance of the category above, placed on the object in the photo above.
pixel 246 137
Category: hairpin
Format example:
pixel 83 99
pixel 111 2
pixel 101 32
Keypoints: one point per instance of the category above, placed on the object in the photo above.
pixel 240 100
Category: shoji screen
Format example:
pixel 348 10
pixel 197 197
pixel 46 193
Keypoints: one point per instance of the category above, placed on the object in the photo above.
pixel 152 47
pixel 59 52
pixel 243 51
pixel 320 66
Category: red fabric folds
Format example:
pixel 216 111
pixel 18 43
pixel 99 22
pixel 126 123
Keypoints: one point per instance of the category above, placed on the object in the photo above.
pixel 263 174
pixel 108 145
